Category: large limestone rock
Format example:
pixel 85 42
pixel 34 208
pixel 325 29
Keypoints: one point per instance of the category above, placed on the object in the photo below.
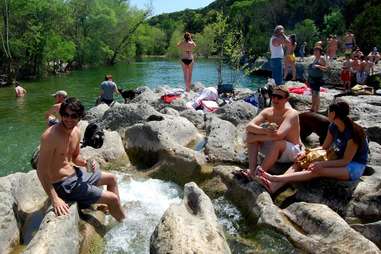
pixel 162 145
pixel 95 114
pixel 126 115
pixel 195 116
pixel 372 231
pixel 190 227
pixel 148 97
pixel 225 142
pixel 238 112
pixel 112 149
pixel 57 234
pixel 21 194
pixel 314 228
pixel 375 153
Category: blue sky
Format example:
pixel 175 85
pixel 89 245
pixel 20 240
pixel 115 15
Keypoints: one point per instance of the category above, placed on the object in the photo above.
pixel 166 6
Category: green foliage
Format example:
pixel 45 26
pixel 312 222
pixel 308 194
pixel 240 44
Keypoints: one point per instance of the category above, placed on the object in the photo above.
pixel 308 32
pixel 367 25
pixel 176 37
pixel 334 23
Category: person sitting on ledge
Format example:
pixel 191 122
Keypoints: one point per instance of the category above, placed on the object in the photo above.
pixel 345 137
pixel 277 144
pixel 59 169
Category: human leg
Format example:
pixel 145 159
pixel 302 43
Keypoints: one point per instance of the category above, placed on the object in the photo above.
pixel 190 71
pixel 272 156
pixel 183 66
pixel 286 67
pixel 113 202
pixel 252 150
pixel 110 181
pixel 277 70
pixel 271 185
pixel 293 70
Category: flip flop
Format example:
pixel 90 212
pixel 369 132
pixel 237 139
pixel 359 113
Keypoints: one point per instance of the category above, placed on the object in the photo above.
pixel 265 183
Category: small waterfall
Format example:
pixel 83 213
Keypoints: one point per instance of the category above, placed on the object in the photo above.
pixel 145 202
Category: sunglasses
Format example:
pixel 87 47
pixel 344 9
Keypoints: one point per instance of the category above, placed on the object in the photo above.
pixel 72 116
pixel 279 97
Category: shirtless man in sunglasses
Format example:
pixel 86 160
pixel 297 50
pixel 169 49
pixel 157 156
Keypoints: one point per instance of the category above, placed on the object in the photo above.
pixel 62 172
pixel 282 144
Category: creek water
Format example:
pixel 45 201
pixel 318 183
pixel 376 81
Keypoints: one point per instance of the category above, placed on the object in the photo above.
pixel 22 119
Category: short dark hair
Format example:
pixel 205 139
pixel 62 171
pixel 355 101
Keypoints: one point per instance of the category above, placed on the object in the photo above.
pixel 74 105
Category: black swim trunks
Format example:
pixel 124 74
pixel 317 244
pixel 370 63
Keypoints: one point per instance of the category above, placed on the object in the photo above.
pixel 80 187
pixel 187 61
pixel 108 102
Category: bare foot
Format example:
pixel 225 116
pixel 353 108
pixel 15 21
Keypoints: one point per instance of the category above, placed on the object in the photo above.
pixel 265 183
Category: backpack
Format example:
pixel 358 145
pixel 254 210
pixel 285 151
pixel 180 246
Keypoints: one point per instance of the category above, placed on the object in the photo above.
pixel 94 136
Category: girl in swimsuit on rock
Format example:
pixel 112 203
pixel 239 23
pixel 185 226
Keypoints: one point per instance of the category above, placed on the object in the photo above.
pixel 289 61
pixel 186 47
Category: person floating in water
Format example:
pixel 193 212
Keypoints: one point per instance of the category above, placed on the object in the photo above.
pixel 62 172
pixel 108 88
pixel 20 91
pixel 52 116
pixel 187 60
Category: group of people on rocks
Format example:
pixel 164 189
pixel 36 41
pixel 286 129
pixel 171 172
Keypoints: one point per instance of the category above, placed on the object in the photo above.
pixel 66 177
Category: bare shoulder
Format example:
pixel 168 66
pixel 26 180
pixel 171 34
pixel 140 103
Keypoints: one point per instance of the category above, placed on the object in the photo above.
pixel 50 136
pixel 267 112
pixel 292 114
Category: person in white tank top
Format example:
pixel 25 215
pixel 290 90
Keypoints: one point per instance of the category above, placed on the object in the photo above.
pixel 277 41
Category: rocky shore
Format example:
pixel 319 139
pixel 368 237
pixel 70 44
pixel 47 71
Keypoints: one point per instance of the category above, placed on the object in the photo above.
pixel 196 149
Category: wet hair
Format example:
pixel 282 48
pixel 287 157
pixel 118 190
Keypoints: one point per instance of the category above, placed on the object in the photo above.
pixel 187 36
pixel 341 109
pixel 73 104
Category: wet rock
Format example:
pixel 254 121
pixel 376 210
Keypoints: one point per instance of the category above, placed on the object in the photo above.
pixel 238 112
pixel 57 234
pixel 191 226
pixel 195 116
pixel 225 142
pixel 126 115
pixel 95 114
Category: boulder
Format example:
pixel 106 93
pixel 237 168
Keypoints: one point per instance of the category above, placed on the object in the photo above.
pixel 10 232
pixel 21 194
pixel 57 234
pixel 191 226
pixel 126 115
pixel 238 112
pixel 225 142
pixel 375 153
pixel 372 231
pixel 170 111
pixel 313 228
pixel 163 144
pixel 147 97
pixel 95 114
pixel 112 149
pixel 195 116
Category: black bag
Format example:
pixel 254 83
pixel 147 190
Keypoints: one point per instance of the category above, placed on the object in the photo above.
pixel 94 136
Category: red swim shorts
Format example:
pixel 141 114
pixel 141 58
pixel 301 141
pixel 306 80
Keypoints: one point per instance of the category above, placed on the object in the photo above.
pixel 345 75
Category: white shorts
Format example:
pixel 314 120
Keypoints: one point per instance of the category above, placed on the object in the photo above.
pixel 289 154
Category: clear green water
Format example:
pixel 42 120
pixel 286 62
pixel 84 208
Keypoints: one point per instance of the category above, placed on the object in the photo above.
pixel 22 119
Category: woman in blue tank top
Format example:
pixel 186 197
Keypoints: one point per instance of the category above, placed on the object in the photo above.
pixel 350 144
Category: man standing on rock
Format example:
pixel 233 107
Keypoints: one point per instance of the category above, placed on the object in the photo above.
pixel 59 167
pixel 108 88
pixel 280 144
pixel 277 42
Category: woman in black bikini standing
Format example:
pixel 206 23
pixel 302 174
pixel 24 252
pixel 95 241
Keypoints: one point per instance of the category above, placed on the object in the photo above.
pixel 186 47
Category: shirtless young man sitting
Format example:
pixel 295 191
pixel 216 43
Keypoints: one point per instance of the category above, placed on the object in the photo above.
pixel 283 144
pixel 59 172
pixel 52 116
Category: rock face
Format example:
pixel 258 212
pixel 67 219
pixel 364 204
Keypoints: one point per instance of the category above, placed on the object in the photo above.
pixel 21 194
pixel 225 142
pixel 57 234
pixel 161 144
pixel 195 216
pixel 314 228
pixel 238 112
pixel 126 115
pixel 96 113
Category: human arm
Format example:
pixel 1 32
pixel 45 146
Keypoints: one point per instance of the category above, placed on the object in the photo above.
pixel 349 153
pixel 51 111
pixel 116 89
pixel 322 65
pixel 254 125
pixel 47 149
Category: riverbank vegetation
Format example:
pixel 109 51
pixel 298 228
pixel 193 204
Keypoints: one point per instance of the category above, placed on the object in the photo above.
pixel 39 36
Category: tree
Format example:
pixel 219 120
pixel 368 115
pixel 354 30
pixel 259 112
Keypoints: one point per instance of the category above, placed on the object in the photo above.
pixel 334 23
pixel 308 32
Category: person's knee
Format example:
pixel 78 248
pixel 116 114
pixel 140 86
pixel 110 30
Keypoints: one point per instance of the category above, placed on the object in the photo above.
pixel 111 199
pixel 279 145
